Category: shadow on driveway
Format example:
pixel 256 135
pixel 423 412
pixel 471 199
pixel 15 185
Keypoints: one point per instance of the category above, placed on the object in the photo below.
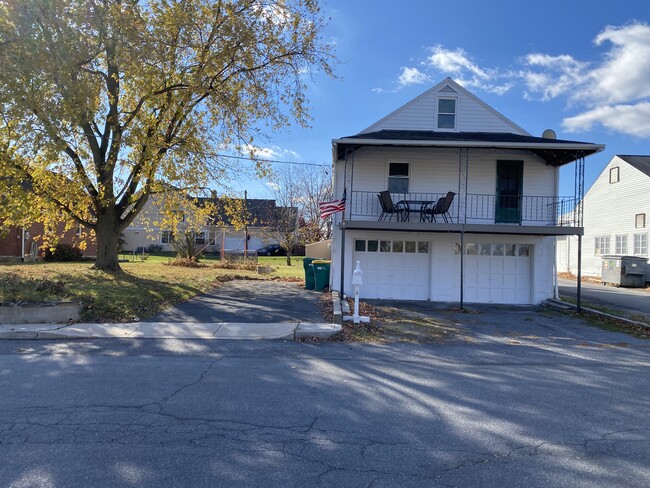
pixel 244 301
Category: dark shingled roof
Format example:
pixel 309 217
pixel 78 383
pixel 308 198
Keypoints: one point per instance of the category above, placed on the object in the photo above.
pixel 554 155
pixel 642 163
pixel 260 211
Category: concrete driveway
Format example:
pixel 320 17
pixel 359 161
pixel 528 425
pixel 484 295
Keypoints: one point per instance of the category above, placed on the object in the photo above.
pixel 534 327
pixel 246 301
pixel 631 300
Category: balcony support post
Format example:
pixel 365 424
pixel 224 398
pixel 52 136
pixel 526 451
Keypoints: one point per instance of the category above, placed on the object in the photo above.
pixel 463 161
pixel 579 190
pixel 462 263
pixel 579 283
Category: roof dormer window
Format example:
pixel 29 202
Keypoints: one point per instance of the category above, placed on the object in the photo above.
pixel 447 113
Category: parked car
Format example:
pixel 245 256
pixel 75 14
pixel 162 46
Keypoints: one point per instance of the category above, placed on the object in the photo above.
pixel 271 250
pixel 277 250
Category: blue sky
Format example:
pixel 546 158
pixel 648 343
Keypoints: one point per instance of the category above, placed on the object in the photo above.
pixel 581 68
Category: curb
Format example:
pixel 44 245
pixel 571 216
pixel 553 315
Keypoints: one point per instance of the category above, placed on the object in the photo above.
pixel 563 306
pixel 337 315
pixel 301 330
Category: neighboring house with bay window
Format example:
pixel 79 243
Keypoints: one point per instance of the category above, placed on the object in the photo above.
pixel 504 211
pixel 616 217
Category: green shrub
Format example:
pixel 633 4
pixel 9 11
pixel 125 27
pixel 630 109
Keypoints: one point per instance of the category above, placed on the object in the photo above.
pixel 186 247
pixel 63 252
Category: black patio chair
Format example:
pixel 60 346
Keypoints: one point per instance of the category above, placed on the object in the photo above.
pixel 388 208
pixel 441 207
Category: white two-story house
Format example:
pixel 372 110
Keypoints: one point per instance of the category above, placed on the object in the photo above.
pixel 496 241
pixel 616 209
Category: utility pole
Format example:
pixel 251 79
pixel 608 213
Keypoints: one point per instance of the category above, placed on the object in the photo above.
pixel 245 224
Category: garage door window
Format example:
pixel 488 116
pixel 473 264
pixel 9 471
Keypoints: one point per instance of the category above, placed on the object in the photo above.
pixel 411 247
pixel 487 249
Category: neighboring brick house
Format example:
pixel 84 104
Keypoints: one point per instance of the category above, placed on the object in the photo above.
pixel 19 242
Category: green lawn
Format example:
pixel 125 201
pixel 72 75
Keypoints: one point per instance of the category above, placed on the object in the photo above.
pixel 141 290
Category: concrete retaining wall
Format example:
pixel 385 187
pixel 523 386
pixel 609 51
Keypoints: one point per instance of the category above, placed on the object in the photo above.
pixel 39 313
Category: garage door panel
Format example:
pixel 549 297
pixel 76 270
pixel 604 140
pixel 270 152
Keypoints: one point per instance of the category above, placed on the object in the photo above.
pixel 496 279
pixel 394 275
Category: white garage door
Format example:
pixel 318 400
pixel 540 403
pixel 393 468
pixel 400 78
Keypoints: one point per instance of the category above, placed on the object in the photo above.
pixel 397 269
pixel 497 273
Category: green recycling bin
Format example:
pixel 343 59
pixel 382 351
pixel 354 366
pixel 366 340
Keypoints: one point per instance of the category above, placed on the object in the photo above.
pixel 321 273
pixel 310 284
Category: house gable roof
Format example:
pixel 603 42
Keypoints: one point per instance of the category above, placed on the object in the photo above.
pixel 419 113
pixel 642 163
pixel 260 211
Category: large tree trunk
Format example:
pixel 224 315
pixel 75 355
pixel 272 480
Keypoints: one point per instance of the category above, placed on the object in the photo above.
pixel 107 233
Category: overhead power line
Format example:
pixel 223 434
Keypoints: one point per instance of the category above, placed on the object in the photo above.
pixel 321 165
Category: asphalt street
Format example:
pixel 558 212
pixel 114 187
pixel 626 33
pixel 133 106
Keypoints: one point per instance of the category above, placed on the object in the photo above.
pixel 492 410
pixel 632 300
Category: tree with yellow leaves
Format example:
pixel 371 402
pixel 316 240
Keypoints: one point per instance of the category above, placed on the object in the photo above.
pixel 104 103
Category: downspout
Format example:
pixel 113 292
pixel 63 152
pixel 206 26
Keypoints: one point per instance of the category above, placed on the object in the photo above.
pixel 22 245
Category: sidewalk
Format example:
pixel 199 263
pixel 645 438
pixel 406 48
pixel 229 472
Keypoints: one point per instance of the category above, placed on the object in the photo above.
pixel 171 330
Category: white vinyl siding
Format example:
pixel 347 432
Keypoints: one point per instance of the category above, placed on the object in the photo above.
pixel 436 171
pixel 610 210
pixel 421 114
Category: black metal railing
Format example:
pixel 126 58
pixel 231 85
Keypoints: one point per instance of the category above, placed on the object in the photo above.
pixel 479 208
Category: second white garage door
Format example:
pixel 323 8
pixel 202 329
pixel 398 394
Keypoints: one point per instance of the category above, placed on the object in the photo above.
pixel 394 269
pixel 498 273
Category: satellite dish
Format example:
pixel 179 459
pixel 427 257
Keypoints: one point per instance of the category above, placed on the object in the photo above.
pixel 549 134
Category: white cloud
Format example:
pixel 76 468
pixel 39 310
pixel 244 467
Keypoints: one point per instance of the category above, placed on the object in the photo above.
pixel 613 91
pixel 272 153
pixel 625 74
pixel 628 119
pixel 412 76
pixel 561 74
pixel 455 62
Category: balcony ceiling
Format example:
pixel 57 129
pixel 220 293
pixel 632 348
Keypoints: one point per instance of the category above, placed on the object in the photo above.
pixel 556 152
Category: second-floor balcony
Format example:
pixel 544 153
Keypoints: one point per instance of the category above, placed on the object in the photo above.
pixel 556 214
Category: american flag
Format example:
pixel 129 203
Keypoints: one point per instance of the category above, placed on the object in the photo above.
pixel 329 208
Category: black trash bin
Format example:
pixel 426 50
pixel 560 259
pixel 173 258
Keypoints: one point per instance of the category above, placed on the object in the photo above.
pixel 310 283
pixel 321 273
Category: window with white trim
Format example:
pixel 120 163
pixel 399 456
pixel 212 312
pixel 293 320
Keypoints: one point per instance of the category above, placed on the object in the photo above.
pixel 447 113
pixel 398 177
pixel 641 244
pixel 79 230
pixel 601 245
pixel 621 244
pixel 639 221
pixel 614 174
pixel 167 237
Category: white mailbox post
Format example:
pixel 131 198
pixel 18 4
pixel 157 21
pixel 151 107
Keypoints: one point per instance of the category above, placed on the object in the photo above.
pixel 357 282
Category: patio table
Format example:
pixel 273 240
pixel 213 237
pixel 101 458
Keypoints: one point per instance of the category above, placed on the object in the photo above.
pixel 413 206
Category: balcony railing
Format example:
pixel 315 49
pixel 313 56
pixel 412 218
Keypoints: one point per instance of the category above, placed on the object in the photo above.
pixel 479 208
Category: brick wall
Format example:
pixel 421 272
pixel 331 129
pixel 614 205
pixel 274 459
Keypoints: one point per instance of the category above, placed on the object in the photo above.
pixel 10 245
